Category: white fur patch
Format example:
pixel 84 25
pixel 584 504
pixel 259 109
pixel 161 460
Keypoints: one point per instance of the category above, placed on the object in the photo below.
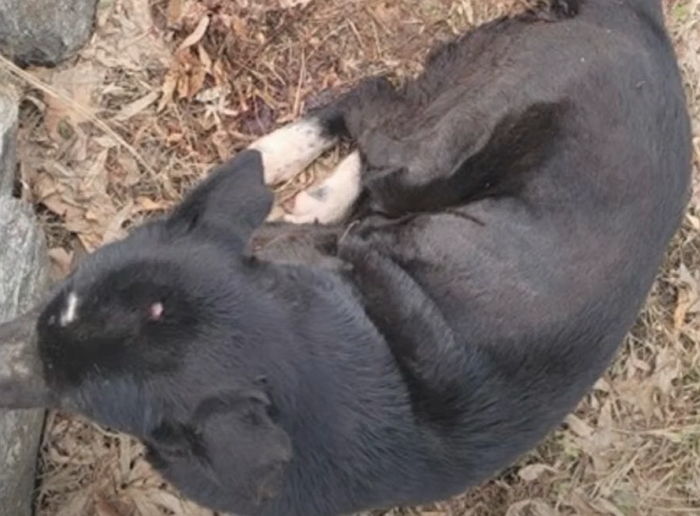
pixel 330 202
pixel 287 151
pixel 155 311
pixel 70 312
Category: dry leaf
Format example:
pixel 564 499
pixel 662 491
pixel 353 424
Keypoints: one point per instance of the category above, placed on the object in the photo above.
pixel 204 59
pixel 532 472
pixel 79 254
pixel 78 84
pixel 175 12
pixel 163 499
pixel 114 230
pixel 605 506
pixel 91 224
pixel 688 302
pixel 60 262
pixel 128 173
pixel 196 35
pixel 168 89
pixel 578 426
pixel 287 4
pixel 185 77
pixel 77 504
pixel 104 507
pixel 639 395
pixel 534 508
pixel 668 369
pixel 57 204
pixel 137 106
pixel 96 178
pixel 195 83
pixel 145 204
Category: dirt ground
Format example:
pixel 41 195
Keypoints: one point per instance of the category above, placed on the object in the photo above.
pixel 167 88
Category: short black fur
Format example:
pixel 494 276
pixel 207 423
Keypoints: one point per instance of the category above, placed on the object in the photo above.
pixel 518 199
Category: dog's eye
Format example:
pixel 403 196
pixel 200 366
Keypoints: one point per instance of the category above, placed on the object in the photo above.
pixel 156 311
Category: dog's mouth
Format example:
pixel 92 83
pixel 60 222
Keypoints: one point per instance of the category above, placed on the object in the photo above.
pixel 22 381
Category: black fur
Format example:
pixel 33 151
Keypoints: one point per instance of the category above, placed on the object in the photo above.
pixel 519 197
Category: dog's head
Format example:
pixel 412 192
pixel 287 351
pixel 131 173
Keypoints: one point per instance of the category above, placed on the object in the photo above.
pixel 158 335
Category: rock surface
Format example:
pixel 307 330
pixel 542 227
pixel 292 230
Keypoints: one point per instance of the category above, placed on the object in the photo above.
pixel 8 133
pixel 44 32
pixel 23 278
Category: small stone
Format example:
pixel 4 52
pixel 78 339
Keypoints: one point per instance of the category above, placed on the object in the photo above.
pixel 23 279
pixel 41 32
pixel 8 134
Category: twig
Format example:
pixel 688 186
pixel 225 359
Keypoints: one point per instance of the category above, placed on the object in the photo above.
pixel 37 83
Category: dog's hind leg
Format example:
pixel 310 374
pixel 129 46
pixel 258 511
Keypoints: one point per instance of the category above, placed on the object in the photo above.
pixel 331 201
pixel 352 115
pixel 290 149
pixel 461 161
pixel 368 105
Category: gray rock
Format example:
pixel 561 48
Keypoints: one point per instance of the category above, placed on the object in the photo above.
pixel 44 32
pixel 8 134
pixel 23 279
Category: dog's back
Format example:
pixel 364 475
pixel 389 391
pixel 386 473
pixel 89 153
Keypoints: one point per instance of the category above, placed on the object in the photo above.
pixel 568 151
pixel 518 200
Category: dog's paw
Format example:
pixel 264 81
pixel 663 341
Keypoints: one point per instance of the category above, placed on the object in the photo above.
pixel 287 151
pixel 331 201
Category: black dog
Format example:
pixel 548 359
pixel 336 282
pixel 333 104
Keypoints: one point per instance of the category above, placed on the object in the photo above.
pixel 515 202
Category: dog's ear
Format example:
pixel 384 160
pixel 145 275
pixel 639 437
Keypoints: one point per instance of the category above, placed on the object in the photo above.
pixel 230 203
pixel 233 442
pixel 245 449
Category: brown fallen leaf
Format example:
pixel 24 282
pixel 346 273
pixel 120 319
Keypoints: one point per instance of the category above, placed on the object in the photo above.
pixel 127 173
pixel 579 426
pixel 530 507
pixel 145 205
pixel 104 507
pixel 196 35
pixel 532 472
pixel 137 106
pixel 77 505
pixel 57 204
pixel 77 84
pixel 95 180
pixel 79 254
pixel 115 228
pixel 60 262
pixel 288 4
pixel 174 12
pixel 669 368
pixel 168 89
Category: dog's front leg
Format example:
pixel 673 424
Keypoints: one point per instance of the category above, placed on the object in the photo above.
pixel 435 365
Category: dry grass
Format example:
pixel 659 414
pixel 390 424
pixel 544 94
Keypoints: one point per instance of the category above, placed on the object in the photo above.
pixel 169 88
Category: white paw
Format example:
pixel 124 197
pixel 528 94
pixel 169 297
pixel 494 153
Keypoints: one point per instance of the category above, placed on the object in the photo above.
pixel 287 151
pixel 331 201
